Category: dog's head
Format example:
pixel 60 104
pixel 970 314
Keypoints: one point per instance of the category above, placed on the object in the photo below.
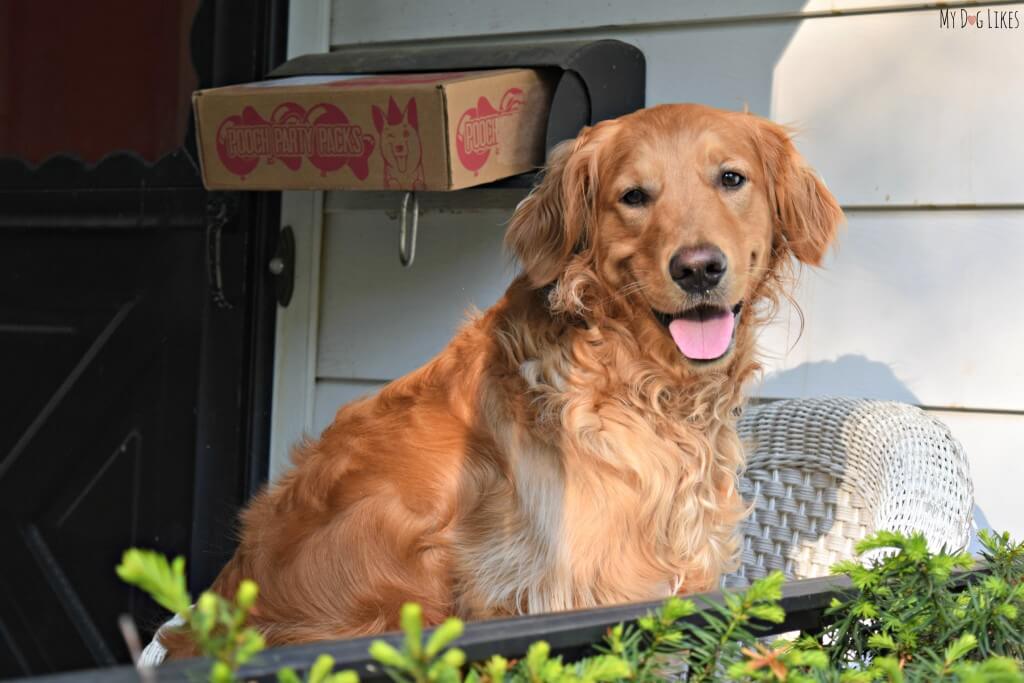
pixel 399 135
pixel 676 219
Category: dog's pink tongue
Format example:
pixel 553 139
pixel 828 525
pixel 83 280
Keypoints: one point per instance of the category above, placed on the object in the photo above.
pixel 705 338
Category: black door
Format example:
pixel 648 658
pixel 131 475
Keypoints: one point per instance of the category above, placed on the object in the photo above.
pixel 136 321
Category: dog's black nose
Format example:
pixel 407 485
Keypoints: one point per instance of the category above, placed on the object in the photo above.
pixel 698 269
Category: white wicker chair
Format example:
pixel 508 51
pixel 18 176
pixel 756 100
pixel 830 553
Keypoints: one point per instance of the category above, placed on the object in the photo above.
pixel 824 473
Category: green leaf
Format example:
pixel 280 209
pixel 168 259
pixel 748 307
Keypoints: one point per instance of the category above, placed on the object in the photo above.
pixel 207 605
pixel 536 655
pixel 346 676
pixel 964 560
pixel 857 677
pixel 454 658
pixel 495 668
pixel 163 581
pixel 1000 665
pixel 246 594
pixel 671 637
pixel 988 539
pixel 995 586
pixel 220 672
pixel 647 623
pixel 552 670
pixel 387 655
pixel 287 675
pixel 604 668
pixel 204 618
pixel 771 613
pixel 411 621
pixel 864 609
pixel 613 639
pixel 882 641
pixel 767 589
pixel 864 578
pixel 992 670
pixel 916 547
pixel 444 634
pixel 889 667
pixel 960 647
pixel 1007 611
pixel 845 567
pixel 739 670
pixel 733 602
pixel 441 673
pixel 882 539
pixel 816 659
pixel 250 642
pixel 676 608
pixel 321 668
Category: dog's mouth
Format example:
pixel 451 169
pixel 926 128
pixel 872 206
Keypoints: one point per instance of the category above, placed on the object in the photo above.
pixel 703 333
pixel 401 157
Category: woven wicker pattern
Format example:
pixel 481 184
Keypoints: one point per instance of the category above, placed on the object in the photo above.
pixel 824 473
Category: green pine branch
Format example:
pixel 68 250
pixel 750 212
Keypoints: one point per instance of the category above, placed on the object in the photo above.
pixel 913 616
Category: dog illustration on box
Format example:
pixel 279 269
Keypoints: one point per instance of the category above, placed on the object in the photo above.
pixel 400 145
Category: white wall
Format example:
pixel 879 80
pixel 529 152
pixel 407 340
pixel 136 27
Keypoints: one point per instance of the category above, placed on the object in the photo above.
pixel 914 127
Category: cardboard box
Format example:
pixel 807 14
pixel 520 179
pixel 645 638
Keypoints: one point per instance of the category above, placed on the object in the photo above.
pixel 439 131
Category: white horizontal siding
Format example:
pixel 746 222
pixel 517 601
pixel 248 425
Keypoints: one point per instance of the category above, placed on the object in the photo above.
pixel 919 306
pixel 356 23
pixel 912 305
pixel 331 394
pixel 379 320
pixel 885 125
pixel 894 110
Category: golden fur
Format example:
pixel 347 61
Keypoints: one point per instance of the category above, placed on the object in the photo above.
pixel 560 452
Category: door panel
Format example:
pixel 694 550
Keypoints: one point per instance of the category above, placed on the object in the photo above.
pixel 100 355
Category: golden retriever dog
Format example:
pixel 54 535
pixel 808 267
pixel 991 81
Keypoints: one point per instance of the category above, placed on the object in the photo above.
pixel 575 444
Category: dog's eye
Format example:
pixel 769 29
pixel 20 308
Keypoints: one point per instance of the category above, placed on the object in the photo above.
pixel 732 179
pixel 635 197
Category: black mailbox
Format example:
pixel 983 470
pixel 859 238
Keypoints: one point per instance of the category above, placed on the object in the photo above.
pixel 598 80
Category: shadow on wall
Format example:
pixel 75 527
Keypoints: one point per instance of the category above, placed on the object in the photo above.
pixel 853 376
pixel 980 522
pixel 849 375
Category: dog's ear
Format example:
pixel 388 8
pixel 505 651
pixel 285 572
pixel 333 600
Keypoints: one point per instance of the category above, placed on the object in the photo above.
pixel 554 221
pixel 806 214
pixel 378 118
pixel 411 115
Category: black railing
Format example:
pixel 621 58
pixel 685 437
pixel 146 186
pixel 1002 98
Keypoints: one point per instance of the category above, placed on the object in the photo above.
pixel 570 634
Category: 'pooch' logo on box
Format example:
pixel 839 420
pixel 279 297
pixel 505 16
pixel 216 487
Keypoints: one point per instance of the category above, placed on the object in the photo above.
pixel 323 135
pixel 480 128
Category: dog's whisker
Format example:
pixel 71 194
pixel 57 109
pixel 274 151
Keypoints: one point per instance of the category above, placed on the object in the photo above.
pixel 625 291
